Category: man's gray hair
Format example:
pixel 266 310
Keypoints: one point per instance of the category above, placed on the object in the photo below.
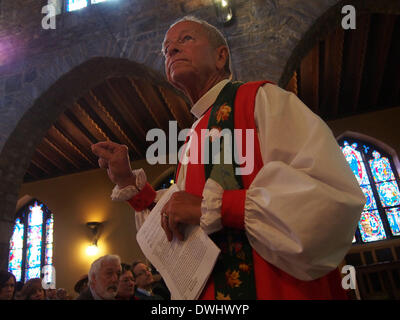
pixel 96 265
pixel 215 37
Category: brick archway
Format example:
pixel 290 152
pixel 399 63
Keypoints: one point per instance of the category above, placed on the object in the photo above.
pixel 30 130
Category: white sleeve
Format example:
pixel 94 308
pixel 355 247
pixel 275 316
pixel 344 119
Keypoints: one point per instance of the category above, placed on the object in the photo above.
pixel 302 209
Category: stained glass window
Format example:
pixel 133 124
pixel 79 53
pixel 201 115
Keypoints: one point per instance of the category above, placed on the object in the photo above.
pixel 31 244
pixel 379 180
pixel 72 5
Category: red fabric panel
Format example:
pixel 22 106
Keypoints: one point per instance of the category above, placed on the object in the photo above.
pixel 143 199
pixel 232 210
pixel 271 282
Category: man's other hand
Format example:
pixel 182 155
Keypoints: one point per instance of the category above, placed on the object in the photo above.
pixel 115 158
pixel 183 208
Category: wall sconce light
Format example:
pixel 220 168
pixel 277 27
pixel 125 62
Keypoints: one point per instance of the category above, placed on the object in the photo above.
pixel 95 228
pixel 224 10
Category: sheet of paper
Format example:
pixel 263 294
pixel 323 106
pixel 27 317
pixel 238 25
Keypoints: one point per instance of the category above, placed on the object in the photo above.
pixel 184 265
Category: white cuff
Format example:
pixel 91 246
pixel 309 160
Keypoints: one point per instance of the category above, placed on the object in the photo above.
pixel 210 220
pixel 130 191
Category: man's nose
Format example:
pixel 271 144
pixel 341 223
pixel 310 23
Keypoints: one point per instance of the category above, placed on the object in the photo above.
pixel 174 48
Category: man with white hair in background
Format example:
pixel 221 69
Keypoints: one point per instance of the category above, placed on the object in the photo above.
pixel 104 276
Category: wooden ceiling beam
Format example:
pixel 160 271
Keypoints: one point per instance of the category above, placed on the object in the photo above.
pixel 51 143
pixel 41 164
pixel 133 126
pixel 62 145
pixel 78 139
pixel 309 79
pixel 90 125
pixel 390 89
pixel 32 174
pixel 353 64
pixel 155 106
pixel 51 156
pixel 178 107
pixel 379 53
pixel 102 112
pixel 333 55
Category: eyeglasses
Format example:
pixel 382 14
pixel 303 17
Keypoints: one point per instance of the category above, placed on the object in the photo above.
pixel 127 280
pixel 140 273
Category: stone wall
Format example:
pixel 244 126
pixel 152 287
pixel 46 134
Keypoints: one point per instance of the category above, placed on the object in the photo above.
pixel 37 66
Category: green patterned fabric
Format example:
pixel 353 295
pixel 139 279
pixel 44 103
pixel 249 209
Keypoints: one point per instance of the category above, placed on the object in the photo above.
pixel 234 271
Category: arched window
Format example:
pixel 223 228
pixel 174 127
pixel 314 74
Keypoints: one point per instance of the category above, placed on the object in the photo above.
pixel 379 180
pixel 31 244
pixel 72 5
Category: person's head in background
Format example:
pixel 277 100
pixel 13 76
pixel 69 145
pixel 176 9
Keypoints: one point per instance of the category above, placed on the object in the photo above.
pixel 126 287
pixel 7 285
pixel 104 276
pixel 51 294
pixel 142 275
pixel 33 290
pixel 81 284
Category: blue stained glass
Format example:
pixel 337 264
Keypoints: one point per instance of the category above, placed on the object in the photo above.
pixel 389 193
pixel 35 235
pixel 369 196
pixel 15 261
pixel 48 254
pixel 32 273
pixel 371 227
pixel 393 216
pixel 17 239
pixel 49 230
pixel 17 273
pixel 33 256
pixel 35 217
pixel 16 246
pixel 380 168
pixel 356 164
pixel 73 5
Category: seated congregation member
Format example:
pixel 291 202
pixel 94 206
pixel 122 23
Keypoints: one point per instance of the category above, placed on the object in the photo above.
pixel 51 294
pixel 287 215
pixel 32 290
pixel 7 285
pixel 103 276
pixel 159 286
pixel 144 282
pixel 81 284
pixel 126 286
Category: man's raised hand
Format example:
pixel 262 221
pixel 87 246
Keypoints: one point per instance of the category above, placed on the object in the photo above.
pixel 115 158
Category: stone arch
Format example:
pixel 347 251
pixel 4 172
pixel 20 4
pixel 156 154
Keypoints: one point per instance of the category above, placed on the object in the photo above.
pixel 30 130
pixel 328 22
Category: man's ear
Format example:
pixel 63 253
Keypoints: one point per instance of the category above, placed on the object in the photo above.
pixel 222 56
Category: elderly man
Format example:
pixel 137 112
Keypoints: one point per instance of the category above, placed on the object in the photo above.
pixel 104 276
pixel 283 227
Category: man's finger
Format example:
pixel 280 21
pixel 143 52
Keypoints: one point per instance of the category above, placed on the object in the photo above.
pixel 175 229
pixel 102 152
pixel 164 225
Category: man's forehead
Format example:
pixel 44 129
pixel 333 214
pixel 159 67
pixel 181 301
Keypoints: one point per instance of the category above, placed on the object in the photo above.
pixel 183 26
pixel 110 265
